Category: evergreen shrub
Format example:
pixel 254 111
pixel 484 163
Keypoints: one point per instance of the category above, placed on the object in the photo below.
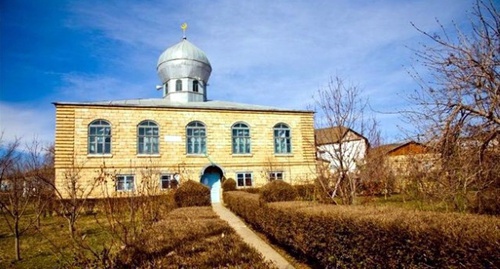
pixel 229 185
pixel 331 236
pixel 277 191
pixel 191 193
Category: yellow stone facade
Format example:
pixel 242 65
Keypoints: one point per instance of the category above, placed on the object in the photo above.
pixel 72 160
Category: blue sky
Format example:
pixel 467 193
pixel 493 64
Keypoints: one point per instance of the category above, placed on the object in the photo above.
pixel 276 53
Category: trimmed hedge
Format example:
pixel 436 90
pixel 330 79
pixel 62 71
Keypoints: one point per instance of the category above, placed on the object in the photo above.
pixel 276 191
pixel 373 237
pixel 229 185
pixel 191 193
pixel 250 190
pixel 306 192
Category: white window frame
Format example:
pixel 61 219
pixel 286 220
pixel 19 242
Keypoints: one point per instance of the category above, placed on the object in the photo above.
pixel 276 175
pixel 169 178
pixel 244 176
pixel 125 183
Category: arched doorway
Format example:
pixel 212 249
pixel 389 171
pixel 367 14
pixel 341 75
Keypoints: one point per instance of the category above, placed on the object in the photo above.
pixel 211 177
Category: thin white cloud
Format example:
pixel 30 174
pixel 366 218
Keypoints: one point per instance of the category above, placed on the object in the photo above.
pixel 262 52
pixel 27 122
pixel 87 87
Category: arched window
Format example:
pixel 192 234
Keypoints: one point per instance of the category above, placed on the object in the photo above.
pixel 166 88
pixel 99 137
pixel 196 139
pixel 195 85
pixel 147 137
pixel 178 85
pixel 282 139
pixel 241 138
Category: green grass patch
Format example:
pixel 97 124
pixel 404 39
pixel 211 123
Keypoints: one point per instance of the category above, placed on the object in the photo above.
pixel 49 246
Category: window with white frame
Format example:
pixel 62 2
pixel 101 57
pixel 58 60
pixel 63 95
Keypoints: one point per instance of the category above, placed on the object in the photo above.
pixel 282 139
pixel 147 137
pixel 168 181
pixel 244 179
pixel 275 175
pixel 99 135
pixel 241 138
pixel 196 140
pixel 125 183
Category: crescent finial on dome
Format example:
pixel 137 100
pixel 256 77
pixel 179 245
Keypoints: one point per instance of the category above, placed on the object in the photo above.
pixel 184 26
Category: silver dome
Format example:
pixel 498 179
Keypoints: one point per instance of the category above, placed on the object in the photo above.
pixel 183 60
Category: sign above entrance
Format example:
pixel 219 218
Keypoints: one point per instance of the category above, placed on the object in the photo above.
pixel 173 138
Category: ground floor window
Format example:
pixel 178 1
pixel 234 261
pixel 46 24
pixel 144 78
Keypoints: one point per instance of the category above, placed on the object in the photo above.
pixel 125 183
pixel 244 179
pixel 275 176
pixel 168 181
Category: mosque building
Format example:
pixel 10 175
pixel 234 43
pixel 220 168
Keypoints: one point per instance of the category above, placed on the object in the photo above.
pixel 182 135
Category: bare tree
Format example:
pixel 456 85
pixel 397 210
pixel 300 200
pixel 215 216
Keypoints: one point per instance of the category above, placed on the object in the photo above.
pixel 458 107
pixel 16 194
pixel 341 111
pixel 73 194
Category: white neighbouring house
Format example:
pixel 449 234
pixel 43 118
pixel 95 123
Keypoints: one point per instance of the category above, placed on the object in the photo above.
pixel 340 145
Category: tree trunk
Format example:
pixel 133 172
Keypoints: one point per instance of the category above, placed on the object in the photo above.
pixel 16 239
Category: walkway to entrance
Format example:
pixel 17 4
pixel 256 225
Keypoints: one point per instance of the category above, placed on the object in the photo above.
pixel 250 237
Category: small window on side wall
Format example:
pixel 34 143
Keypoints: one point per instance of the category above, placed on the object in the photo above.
pixel 125 183
pixel 275 176
pixel 244 180
pixel 168 181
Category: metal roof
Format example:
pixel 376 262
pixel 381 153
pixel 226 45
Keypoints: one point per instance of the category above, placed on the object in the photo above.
pixel 183 60
pixel 163 103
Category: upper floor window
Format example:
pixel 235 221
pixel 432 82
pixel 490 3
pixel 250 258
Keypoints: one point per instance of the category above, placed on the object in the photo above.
pixel 99 137
pixel 196 140
pixel 147 137
pixel 244 179
pixel 178 85
pixel 282 139
pixel 241 138
pixel 195 86
pixel 125 182
pixel 166 88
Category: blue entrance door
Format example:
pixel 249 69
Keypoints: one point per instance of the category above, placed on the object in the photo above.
pixel 212 180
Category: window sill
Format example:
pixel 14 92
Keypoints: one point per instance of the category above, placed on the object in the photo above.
pixel 93 155
pixel 148 155
pixel 242 154
pixel 191 155
pixel 283 154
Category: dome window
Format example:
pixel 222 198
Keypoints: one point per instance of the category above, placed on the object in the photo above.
pixel 195 85
pixel 178 85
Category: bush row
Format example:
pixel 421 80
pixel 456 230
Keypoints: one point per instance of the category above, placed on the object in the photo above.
pixel 373 237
